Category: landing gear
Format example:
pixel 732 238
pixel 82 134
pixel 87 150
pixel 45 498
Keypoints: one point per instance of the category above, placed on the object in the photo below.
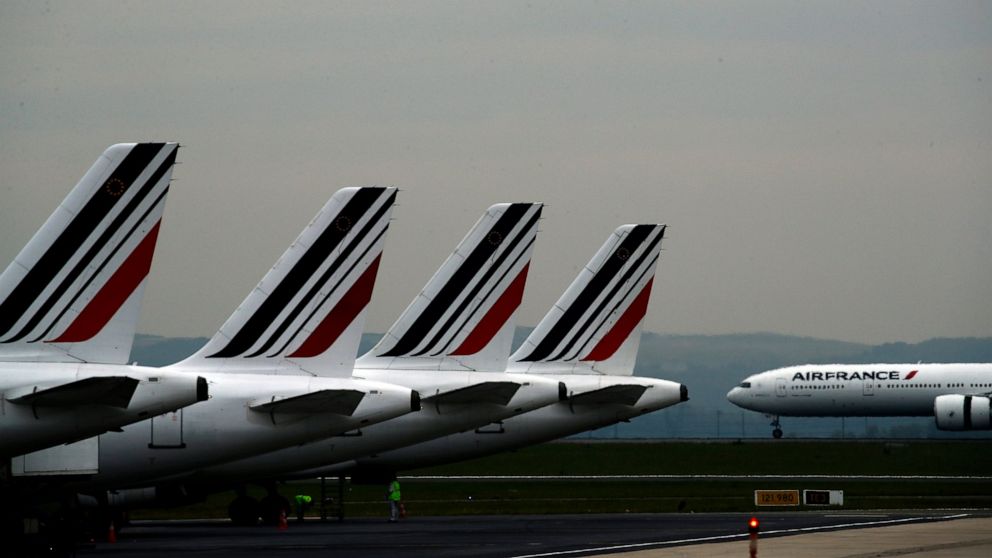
pixel 273 506
pixel 243 510
pixel 777 432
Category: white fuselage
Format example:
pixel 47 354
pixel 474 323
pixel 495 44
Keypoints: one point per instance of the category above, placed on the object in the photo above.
pixel 225 428
pixel 550 422
pixel 27 428
pixel 858 390
pixel 436 418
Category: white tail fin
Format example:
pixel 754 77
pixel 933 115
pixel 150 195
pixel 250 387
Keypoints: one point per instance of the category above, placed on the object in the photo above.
pixel 74 292
pixel 307 313
pixel 595 327
pixel 462 320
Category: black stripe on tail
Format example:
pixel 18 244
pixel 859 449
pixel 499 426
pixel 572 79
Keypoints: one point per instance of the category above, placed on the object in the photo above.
pixel 459 280
pixel 297 277
pixel 51 263
pixel 610 268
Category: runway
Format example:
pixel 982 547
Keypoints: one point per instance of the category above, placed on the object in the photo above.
pixel 490 536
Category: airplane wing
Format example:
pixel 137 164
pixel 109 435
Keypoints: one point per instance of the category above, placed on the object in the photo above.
pixel 499 393
pixel 115 391
pixel 333 401
pixel 616 395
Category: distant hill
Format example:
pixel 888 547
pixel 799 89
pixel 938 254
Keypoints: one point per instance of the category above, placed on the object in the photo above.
pixel 710 365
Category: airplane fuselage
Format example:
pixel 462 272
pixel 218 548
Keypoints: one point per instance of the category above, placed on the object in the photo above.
pixel 550 422
pixel 226 427
pixel 436 418
pixel 69 415
pixel 839 390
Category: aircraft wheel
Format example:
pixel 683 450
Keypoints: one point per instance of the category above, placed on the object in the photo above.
pixel 272 506
pixel 243 510
pixel 777 433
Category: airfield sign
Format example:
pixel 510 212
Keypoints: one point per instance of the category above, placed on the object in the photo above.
pixel 776 497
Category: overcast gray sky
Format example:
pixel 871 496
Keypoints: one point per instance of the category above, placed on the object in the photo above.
pixel 825 168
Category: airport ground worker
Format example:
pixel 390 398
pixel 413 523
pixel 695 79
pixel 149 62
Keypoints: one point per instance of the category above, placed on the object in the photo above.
pixel 303 503
pixel 394 496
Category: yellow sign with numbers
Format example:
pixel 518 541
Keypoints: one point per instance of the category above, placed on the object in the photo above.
pixel 776 497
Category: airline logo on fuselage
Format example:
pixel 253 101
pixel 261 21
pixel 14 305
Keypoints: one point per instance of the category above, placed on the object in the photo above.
pixel 845 376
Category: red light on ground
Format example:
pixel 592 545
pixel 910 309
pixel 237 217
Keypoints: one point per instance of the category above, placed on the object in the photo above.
pixel 752 525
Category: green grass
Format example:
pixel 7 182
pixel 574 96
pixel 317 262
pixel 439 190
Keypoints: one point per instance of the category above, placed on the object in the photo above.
pixel 778 457
pixel 493 496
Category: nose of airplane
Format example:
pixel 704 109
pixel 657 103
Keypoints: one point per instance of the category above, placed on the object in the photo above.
pixel 734 395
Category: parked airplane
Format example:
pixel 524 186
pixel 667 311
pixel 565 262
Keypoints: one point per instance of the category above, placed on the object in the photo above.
pixel 69 305
pixel 279 369
pixel 957 395
pixel 448 345
pixel 588 340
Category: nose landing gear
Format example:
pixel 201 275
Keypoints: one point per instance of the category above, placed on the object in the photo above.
pixel 777 432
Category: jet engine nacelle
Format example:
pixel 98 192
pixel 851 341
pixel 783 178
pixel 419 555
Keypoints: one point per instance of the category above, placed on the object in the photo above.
pixel 962 412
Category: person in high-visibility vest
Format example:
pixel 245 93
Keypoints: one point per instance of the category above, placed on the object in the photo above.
pixel 394 497
pixel 303 502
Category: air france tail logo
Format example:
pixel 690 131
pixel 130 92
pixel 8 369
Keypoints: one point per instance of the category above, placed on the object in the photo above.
pixel 470 295
pixel 87 250
pixel 331 266
pixel 619 290
pixel 846 376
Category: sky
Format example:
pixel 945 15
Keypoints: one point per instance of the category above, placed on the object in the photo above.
pixel 825 169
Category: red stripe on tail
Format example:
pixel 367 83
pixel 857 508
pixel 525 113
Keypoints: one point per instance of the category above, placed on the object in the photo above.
pixel 338 319
pixel 621 330
pixel 113 294
pixel 491 323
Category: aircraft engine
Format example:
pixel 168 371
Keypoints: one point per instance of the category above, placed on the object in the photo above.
pixel 962 412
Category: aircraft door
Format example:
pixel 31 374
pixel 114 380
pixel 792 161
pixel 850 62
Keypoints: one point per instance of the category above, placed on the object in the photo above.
pixel 780 387
pixel 868 388
pixel 167 431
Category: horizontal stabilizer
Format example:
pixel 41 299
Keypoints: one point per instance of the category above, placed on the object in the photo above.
pixel 613 395
pixel 115 391
pixel 333 401
pixel 497 393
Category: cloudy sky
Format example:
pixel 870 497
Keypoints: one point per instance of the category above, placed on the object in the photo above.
pixel 825 169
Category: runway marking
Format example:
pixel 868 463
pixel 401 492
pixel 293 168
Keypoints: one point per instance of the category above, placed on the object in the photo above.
pixel 743 535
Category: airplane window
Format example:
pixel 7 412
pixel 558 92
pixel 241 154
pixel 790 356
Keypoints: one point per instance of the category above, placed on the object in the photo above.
pixel 745 384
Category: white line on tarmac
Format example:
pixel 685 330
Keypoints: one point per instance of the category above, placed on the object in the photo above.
pixel 744 535
pixel 692 477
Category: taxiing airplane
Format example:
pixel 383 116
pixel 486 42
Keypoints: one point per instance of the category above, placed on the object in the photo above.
pixel 588 340
pixel 957 395
pixel 279 370
pixel 69 306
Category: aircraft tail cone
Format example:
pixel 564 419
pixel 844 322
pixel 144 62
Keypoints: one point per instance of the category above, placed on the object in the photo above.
pixel 111 534
pixel 282 525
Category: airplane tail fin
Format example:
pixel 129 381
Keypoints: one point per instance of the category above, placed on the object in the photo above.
pixel 307 313
pixel 595 327
pixel 462 319
pixel 73 293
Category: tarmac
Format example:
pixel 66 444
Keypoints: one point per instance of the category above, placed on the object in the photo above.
pixel 839 533
pixel 960 538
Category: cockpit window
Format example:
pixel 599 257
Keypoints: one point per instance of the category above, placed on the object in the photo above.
pixel 745 384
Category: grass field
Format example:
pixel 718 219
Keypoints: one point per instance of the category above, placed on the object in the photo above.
pixel 453 495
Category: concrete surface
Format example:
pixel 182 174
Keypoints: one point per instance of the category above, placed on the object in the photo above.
pixel 961 538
